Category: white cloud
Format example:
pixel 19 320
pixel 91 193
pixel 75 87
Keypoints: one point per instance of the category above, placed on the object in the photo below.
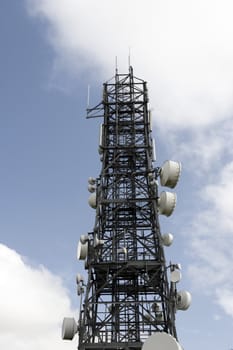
pixel 211 240
pixel 217 317
pixel 225 299
pixel 203 151
pixel 183 48
pixel 33 303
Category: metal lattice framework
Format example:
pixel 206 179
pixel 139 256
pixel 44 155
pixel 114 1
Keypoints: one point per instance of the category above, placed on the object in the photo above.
pixel 127 296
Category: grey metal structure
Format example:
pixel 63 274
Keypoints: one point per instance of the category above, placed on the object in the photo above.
pixel 127 296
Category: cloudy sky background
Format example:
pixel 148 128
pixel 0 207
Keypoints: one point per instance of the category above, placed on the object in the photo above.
pixel 50 51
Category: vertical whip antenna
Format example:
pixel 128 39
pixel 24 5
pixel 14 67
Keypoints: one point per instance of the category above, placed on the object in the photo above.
pixel 116 65
pixel 88 96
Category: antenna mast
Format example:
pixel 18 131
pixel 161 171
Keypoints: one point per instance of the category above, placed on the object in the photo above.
pixel 130 298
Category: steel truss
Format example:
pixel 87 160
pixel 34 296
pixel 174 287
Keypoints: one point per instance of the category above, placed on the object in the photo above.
pixel 127 295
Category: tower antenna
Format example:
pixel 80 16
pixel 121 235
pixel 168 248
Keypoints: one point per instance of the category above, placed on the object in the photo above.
pixel 116 65
pixel 88 96
pixel 130 299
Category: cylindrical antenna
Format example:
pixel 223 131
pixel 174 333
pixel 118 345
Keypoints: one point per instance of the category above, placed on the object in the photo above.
pixel 129 57
pixel 153 150
pixel 116 65
pixel 88 96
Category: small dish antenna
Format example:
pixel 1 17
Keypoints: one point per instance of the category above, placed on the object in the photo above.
pixel 175 276
pixel 167 203
pixel 161 340
pixel 184 299
pixel 91 188
pixel 91 180
pixel 82 251
pixel 92 200
pixel 167 239
pixel 69 328
pixel 170 173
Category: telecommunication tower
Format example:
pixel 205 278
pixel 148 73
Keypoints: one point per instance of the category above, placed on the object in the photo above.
pixel 130 298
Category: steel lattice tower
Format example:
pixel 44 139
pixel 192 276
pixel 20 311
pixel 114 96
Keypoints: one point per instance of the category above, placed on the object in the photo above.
pixel 128 296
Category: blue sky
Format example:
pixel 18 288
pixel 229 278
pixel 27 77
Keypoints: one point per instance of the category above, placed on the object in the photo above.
pixel 50 52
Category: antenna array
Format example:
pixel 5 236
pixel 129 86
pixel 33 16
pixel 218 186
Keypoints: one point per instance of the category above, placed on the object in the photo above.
pixel 129 296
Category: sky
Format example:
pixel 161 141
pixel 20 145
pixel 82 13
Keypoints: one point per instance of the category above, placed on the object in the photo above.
pixel 51 50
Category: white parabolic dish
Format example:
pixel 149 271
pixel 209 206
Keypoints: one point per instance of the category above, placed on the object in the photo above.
pixel 170 173
pixel 82 251
pixel 167 239
pixel 175 276
pixel 92 201
pixel 167 203
pixel 184 300
pixel 69 328
pixel 161 341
